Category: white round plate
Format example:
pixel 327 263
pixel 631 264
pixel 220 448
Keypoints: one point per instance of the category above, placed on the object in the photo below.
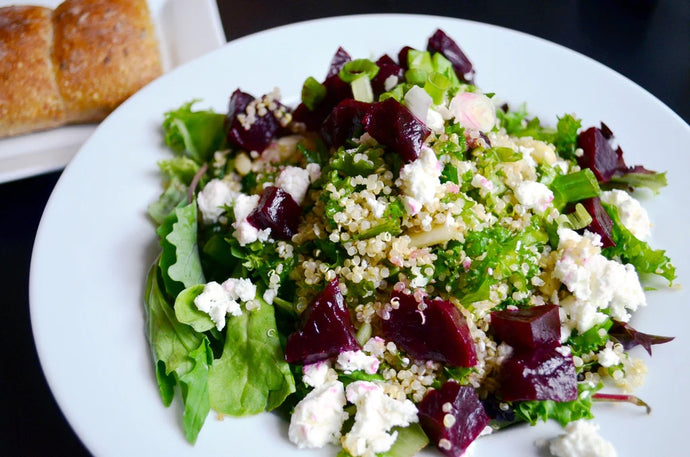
pixel 95 243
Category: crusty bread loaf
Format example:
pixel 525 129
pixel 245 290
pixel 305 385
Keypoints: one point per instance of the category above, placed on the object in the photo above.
pixel 75 64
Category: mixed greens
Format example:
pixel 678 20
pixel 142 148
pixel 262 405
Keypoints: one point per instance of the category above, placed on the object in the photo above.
pixel 399 260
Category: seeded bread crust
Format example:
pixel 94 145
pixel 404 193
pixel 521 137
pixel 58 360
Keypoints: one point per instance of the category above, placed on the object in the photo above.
pixel 29 95
pixel 74 64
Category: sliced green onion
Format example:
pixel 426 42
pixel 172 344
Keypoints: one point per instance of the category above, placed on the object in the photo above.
pixel 436 85
pixel 578 219
pixel 356 68
pixel 574 187
pixel 312 93
pixel 361 89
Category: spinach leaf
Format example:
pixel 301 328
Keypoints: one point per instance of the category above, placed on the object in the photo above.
pixel 251 376
pixel 187 313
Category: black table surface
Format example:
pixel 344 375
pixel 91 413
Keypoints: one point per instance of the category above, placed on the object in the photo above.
pixel 648 41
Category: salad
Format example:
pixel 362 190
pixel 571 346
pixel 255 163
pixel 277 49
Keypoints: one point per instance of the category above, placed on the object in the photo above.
pixel 399 261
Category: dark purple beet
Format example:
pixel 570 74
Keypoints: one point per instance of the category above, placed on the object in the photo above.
pixel 598 155
pixel 601 221
pixel 541 374
pixel 440 42
pixel 337 90
pixel 394 126
pixel 344 122
pixel 402 57
pixel 454 414
pixel 327 329
pixel 387 68
pixel 340 58
pixel 437 331
pixel 533 327
pixel 626 335
pixel 278 211
pixel 259 134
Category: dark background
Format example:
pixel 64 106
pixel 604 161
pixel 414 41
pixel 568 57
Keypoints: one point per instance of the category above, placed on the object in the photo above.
pixel 647 41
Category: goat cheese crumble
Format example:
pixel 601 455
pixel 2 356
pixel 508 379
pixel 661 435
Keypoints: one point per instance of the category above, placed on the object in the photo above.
pixel 581 440
pixel 633 216
pixel 376 414
pixel 595 282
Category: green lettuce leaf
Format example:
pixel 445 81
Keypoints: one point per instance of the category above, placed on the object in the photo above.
pixel 563 412
pixel 634 251
pixel 198 134
pixel 174 195
pixel 180 263
pixel 251 375
pixel 182 357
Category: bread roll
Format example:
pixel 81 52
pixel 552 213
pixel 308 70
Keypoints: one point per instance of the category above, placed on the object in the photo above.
pixel 72 65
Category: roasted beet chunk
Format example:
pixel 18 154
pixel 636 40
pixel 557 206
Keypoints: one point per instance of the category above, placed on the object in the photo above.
pixel 278 211
pixel 327 329
pixel 393 125
pixel 344 122
pixel 440 42
pixel 541 374
pixel 598 155
pixel 528 328
pixel 452 417
pixel 387 68
pixel 337 90
pixel 402 57
pixel 253 133
pixel 430 330
pixel 340 58
pixel 601 221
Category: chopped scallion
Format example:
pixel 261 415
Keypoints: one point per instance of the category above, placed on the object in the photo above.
pixel 355 69
pixel 312 93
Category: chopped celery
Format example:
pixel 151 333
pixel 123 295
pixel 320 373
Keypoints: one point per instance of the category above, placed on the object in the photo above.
pixel 361 89
pixel 436 85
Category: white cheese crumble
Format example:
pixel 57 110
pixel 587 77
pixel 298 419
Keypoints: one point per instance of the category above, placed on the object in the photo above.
pixel 420 180
pixel 534 195
pixel 318 374
pixel 349 361
pixel 473 111
pixel 294 181
pixel 217 302
pixel 633 216
pixel 581 440
pixel 213 199
pixel 318 418
pixel 376 414
pixel 608 357
pixel 595 282
pixel 245 232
